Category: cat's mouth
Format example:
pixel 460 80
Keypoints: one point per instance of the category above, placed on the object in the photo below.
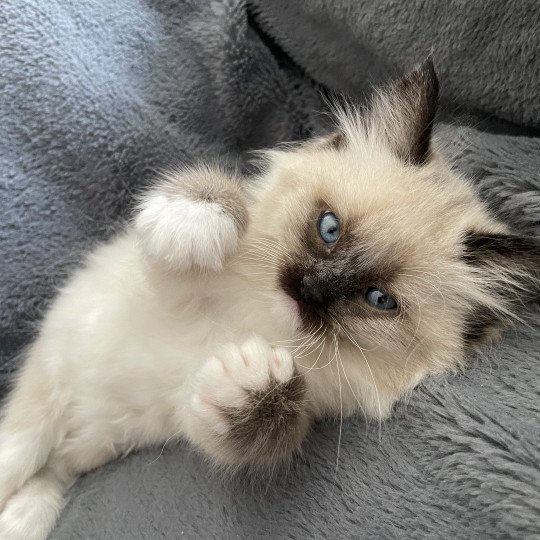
pixel 311 312
pixel 287 310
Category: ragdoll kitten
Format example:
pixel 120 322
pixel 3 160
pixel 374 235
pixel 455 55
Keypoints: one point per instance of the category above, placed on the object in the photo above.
pixel 356 265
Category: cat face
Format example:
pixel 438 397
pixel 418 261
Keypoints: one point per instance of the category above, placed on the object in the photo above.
pixel 368 237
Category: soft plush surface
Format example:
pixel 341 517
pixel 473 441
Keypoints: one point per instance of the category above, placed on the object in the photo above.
pixel 486 52
pixel 96 95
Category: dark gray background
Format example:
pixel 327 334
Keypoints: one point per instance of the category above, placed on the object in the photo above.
pixel 96 95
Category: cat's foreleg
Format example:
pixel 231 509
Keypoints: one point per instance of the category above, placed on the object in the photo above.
pixel 192 218
pixel 248 407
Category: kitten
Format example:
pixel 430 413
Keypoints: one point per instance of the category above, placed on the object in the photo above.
pixel 233 314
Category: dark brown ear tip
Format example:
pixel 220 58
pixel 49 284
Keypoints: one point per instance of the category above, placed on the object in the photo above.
pixel 423 78
pixel 428 75
pixel 428 67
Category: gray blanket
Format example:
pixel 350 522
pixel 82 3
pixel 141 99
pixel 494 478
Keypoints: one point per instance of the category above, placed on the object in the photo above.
pixel 96 95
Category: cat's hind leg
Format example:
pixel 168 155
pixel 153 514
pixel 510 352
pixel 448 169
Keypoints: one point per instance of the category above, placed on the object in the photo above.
pixel 192 218
pixel 30 514
pixel 32 509
pixel 30 428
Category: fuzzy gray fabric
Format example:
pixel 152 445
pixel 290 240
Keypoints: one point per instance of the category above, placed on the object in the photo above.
pixel 486 52
pixel 96 95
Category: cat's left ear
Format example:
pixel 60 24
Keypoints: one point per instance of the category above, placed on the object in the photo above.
pixel 509 262
pixel 508 267
pixel 403 113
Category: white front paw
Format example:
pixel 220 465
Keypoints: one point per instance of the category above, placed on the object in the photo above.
pixel 186 233
pixel 192 219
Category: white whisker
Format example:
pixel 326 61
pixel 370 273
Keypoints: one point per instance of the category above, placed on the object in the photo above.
pixel 340 408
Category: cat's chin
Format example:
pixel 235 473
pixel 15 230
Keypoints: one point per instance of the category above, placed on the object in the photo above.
pixel 286 311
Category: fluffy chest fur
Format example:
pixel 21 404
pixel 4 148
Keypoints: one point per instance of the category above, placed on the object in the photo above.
pixel 146 331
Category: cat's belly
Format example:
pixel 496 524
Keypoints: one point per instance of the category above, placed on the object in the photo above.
pixel 122 344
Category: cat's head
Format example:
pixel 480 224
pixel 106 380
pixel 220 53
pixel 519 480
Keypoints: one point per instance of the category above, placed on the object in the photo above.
pixel 368 237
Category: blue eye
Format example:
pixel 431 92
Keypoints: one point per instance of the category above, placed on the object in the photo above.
pixel 329 228
pixel 379 299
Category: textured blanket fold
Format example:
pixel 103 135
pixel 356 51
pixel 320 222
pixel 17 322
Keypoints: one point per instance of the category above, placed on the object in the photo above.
pixel 486 52
pixel 95 96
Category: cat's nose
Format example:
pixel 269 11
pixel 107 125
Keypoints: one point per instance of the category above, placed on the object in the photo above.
pixel 312 292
